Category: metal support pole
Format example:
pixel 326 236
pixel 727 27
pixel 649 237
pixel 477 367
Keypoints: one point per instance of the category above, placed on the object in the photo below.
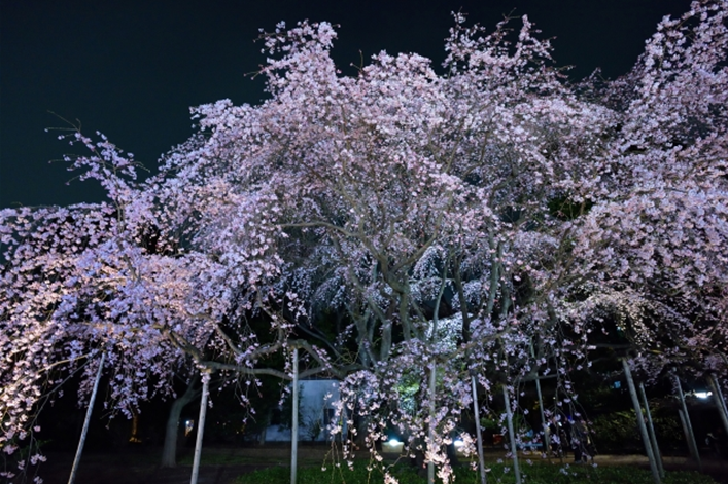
pixel 651 428
pixel 688 426
pixel 512 434
pixel 86 422
pixel 641 423
pixel 719 400
pixel 432 431
pixel 544 423
pixel 201 427
pixel 294 419
pixel 481 456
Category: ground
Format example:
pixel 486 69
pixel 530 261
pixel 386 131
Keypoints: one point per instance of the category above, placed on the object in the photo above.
pixel 221 465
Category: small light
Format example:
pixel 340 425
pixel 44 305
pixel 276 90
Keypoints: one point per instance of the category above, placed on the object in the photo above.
pixel 393 441
pixel 458 443
pixel 703 395
pixel 189 427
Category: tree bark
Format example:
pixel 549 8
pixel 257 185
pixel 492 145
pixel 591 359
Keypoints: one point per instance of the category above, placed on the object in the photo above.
pixel 86 422
pixel 641 423
pixel 169 452
pixel 201 427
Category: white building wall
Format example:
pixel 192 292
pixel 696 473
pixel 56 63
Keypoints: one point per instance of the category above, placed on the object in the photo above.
pixel 317 397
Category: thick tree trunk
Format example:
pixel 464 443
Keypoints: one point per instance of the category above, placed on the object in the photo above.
pixel 134 437
pixel 169 453
pixel 641 423
pixel 200 428
pixel 651 428
pixel 86 423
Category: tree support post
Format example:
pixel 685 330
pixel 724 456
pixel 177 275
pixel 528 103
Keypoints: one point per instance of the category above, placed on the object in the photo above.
pixel 201 426
pixel 433 408
pixel 719 400
pixel 651 428
pixel 641 423
pixel 512 435
pixel 86 422
pixel 546 431
pixel 294 419
pixel 687 426
pixel 478 430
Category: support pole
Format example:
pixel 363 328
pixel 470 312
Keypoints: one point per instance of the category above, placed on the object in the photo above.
pixel 641 423
pixel 433 409
pixel 512 435
pixel 651 429
pixel 433 385
pixel 86 422
pixel 294 419
pixel 688 427
pixel 719 400
pixel 478 430
pixel 546 432
pixel 686 431
pixel 201 426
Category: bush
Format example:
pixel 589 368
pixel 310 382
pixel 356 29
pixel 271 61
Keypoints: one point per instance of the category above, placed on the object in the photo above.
pixel 616 432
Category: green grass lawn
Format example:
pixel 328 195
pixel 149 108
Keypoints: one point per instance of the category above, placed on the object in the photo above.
pixel 538 473
pixel 273 457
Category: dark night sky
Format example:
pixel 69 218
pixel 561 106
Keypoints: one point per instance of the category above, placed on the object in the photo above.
pixel 131 69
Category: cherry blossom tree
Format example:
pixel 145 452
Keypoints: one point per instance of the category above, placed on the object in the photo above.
pixel 396 191
pixel 75 293
pixel 475 225
pixel 653 246
pixel 95 282
pixel 412 201
pixel 653 243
